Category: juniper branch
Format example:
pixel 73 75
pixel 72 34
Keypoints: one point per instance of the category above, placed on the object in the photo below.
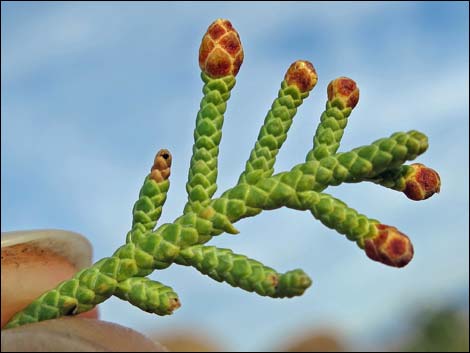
pixel 124 273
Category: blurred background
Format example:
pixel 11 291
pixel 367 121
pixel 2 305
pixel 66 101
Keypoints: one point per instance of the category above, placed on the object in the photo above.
pixel 90 91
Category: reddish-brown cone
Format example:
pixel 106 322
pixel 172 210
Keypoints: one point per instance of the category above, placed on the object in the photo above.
pixel 421 183
pixel 161 168
pixel 389 246
pixel 345 90
pixel 301 74
pixel 221 51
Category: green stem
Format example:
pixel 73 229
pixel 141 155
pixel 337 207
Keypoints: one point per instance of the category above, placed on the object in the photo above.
pixel 394 179
pixel 272 134
pixel 360 164
pixel 336 215
pixel 240 271
pixel 148 208
pixel 148 295
pixel 329 132
pixel 202 176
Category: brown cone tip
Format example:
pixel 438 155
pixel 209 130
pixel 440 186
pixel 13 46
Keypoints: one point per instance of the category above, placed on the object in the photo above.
pixel 301 74
pixel 345 90
pixel 389 246
pixel 422 182
pixel 174 304
pixel 221 51
pixel 161 168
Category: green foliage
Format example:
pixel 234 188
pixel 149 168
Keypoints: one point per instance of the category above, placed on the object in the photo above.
pixel 181 242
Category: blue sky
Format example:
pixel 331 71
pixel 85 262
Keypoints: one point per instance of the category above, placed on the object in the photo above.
pixel 90 91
